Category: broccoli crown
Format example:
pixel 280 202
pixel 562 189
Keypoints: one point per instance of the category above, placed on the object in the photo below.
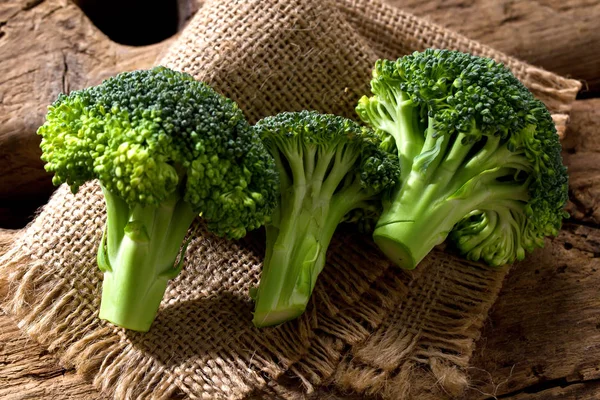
pixel 295 134
pixel 450 98
pixel 146 134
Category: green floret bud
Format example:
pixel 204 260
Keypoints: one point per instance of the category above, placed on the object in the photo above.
pixel 479 155
pixel 165 148
pixel 329 168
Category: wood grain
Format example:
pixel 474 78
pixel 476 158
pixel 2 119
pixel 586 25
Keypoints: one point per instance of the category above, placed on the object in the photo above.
pixel 558 35
pixel 545 324
pixel 582 155
pixel 565 391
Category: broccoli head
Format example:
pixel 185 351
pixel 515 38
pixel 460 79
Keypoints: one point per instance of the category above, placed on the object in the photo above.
pixel 479 158
pixel 165 148
pixel 328 166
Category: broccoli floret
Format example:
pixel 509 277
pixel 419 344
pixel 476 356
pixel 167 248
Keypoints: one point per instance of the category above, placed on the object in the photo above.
pixel 165 149
pixel 328 166
pixel 479 156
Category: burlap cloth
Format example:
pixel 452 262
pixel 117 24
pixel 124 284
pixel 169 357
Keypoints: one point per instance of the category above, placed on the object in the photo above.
pixel 370 327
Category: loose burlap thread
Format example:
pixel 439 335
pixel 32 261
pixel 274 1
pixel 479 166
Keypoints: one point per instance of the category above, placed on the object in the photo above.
pixel 370 327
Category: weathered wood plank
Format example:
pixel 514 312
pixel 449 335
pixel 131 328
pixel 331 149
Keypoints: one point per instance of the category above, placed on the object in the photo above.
pixel 582 155
pixel 560 36
pixel 568 391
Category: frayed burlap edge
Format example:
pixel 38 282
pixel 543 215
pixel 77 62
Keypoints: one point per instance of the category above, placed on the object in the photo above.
pixel 96 349
pixel 426 358
pixel 117 368
pixel 403 346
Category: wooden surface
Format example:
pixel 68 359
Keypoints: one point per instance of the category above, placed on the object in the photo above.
pixel 542 340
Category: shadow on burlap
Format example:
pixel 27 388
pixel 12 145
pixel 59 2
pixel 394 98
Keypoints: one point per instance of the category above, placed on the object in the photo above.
pixel 370 327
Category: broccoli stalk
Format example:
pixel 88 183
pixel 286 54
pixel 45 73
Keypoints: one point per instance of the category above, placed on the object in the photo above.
pixel 435 204
pixel 328 167
pixel 143 243
pixel 165 149
pixel 479 155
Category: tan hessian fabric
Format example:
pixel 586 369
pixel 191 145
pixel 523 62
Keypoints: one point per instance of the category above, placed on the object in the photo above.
pixel 370 327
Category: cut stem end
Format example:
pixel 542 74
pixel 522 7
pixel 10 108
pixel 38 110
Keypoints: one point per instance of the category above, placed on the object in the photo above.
pixel 396 241
pixel 263 319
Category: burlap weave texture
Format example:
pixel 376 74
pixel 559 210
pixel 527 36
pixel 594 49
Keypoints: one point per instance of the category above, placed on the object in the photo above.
pixel 370 327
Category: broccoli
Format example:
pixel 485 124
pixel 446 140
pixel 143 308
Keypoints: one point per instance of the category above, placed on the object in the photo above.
pixel 479 159
pixel 165 149
pixel 328 166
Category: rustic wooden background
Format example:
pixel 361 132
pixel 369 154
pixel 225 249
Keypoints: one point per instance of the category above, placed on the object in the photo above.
pixel 542 339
